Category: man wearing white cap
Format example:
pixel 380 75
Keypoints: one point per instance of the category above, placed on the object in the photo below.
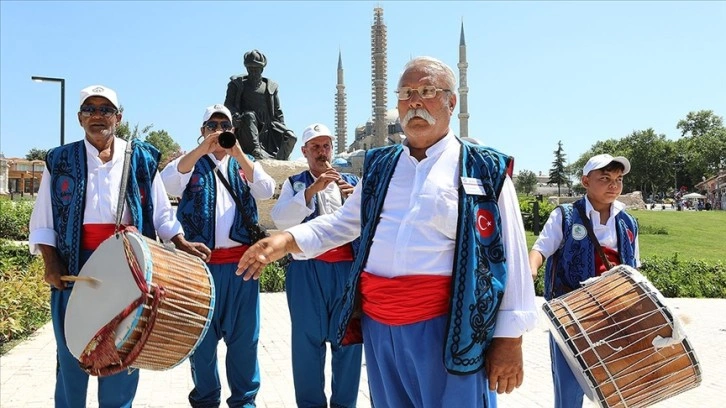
pixel 440 292
pixel 76 210
pixel 314 285
pixel 572 257
pixel 218 184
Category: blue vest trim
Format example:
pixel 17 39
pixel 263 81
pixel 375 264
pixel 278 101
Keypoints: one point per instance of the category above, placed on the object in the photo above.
pixel 574 260
pixel 197 207
pixel 479 272
pixel 306 179
pixel 68 177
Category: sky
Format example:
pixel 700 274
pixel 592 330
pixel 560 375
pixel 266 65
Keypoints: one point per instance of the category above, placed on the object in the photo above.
pixel 539 72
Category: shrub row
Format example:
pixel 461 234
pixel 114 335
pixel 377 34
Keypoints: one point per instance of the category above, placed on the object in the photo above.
pixel 24 305
pixel 526 205
pixel 676 278
pixel 14 219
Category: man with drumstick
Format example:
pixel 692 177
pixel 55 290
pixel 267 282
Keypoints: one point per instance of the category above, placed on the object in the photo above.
pixel 218 184
pixel 314 286
pixel 566 242
pixel 76 210
pixel 439 290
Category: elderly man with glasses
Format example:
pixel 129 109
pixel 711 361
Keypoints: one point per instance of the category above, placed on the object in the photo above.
pixel 440 292
pixel 218 184
pixel 76 210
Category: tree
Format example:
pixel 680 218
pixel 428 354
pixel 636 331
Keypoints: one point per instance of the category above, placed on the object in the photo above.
pixel 703 147
pixel 558 172
pixel 36 154
pixel 124 131
pixel 526 182
pixel 650 155
pixel 160 139
pixel 699 123
pixel 167 146
pixel 610 146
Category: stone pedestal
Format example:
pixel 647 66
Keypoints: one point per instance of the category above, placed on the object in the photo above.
pixel 280 170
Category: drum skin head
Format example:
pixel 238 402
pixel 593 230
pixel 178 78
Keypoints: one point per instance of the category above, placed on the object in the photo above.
pixel 92 306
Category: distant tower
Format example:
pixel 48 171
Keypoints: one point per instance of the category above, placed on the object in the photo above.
pixel 379 67
pixel 463 89
pixel 340 109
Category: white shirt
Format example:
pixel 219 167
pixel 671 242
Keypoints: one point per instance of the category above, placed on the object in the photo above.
pixel 103 182
pixel 291 208
pixel 550 238
pixel 262 189
pixel 416 234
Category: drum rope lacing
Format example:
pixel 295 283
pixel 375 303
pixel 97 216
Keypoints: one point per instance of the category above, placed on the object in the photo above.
pixel 679 384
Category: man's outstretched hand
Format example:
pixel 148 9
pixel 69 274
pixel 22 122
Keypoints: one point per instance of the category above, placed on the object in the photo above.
pixel 504 364
pixel 266 250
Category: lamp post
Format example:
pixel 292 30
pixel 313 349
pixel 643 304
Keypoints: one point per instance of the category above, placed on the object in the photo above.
pixel 63 101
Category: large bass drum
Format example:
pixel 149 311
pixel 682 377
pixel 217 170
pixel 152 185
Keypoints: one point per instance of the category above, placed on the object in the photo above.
pixel 142 306
pixel 622 342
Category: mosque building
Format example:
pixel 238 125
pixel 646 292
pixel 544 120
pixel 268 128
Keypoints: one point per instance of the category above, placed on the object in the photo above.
pixel 384 127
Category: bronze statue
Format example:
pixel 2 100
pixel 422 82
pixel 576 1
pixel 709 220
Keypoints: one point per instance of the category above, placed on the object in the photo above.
pixel 258 121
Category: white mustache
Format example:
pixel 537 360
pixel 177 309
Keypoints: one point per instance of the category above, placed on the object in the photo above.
pixel 421 113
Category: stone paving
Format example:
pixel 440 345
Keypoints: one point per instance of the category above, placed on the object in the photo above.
pixel 27 373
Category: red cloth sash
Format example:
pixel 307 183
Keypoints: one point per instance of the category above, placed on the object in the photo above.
pixel 611 255
pixel 93 234
pixel 227 255
pixel 405 299
pixel 339 254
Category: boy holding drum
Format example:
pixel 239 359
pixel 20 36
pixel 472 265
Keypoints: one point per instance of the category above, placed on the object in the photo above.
pixel 582 240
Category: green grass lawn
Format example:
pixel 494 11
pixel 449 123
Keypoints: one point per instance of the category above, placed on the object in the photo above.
pixel 699 235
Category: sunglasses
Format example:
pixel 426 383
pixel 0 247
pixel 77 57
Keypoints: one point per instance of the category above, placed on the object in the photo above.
pixel 425 91
pixel 213 125
pixel 105 111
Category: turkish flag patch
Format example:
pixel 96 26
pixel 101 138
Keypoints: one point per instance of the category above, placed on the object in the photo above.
pixel 485 223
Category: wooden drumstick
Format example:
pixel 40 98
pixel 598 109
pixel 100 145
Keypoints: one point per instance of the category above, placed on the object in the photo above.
pixel 90 279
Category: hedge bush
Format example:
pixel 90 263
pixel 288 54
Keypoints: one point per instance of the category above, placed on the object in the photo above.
pixel 14 219
pixel 675 278
pixel 24 305
pixel 526 205
pixel 272 278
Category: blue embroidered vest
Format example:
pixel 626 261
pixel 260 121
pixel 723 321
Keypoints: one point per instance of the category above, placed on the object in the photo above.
pixel 67 167
pixel 303 180
pixel 197 207
pixel 479 272
pixel 574 260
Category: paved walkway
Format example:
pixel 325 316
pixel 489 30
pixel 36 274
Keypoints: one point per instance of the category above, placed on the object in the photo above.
pixel 27 372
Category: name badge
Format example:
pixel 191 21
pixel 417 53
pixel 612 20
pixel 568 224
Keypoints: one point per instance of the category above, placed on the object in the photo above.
pixel 473 186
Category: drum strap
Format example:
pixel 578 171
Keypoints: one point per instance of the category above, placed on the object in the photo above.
pixel 124 184
pixel 593 238
pixel 255 231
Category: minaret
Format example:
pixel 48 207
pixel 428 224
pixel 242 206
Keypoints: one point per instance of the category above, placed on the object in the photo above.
pixel 340 109
pixel 463 89
pixel 379 67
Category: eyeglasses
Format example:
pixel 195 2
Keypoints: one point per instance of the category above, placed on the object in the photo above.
pixel 213 125
pixel 105 111
pixel 425 91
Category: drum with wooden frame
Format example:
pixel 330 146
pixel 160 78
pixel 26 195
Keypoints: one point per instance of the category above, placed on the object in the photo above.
pixel 624 345
pixel 138 304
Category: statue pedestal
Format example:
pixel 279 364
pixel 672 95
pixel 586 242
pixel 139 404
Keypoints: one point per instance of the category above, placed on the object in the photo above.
pixel 279 170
